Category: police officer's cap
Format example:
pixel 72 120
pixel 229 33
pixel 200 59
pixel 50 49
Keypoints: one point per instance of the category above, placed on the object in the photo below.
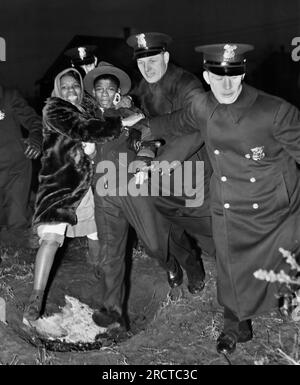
pixel 225 59
pixel 148 43
pixel 82 54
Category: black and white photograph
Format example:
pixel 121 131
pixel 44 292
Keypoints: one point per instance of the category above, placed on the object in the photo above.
pixel 149 185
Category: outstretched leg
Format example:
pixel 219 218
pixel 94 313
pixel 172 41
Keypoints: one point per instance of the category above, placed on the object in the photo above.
pixel 43 264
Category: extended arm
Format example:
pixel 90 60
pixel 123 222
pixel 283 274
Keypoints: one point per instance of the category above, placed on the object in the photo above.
pixel 31 121
pixel 287 129
pixel 180 121
pixel 61 116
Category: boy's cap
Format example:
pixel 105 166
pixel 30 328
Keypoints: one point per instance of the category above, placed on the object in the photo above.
pixel 105 68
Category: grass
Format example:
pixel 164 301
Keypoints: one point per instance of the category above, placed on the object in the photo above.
pixel 44 357
pixel 14 361
pixel 183 328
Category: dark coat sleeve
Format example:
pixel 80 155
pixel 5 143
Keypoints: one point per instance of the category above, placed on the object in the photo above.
pixel 121 112
pixel 287 129
pixel 180 148
pixel 63 117
pixel 27 117
pixel 180 121
pixel 189 121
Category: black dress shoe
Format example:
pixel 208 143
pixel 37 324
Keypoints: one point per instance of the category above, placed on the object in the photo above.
pixel 105 317
pixel 175 278
pixel 196 287
pixel 245 336
pixel 226 343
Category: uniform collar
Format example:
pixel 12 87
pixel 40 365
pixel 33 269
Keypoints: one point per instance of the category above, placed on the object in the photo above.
pixel 237 109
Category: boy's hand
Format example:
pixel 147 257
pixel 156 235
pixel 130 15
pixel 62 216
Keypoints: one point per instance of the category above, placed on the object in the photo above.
pixel 32 151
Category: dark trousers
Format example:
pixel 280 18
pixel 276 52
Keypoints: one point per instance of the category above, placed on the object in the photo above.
pixel 113 216
pixel 15 189
pixel 232 325
pixel 190 233
pixel 189 215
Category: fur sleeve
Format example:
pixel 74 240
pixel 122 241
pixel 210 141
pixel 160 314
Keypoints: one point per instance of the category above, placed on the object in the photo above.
pixel 64 118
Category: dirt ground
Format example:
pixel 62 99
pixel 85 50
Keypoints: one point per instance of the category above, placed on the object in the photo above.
pixel 167 327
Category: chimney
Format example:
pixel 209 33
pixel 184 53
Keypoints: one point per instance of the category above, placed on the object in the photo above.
pixel 126 32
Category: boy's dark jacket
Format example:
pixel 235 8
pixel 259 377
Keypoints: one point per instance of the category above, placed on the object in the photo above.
pixel 120 153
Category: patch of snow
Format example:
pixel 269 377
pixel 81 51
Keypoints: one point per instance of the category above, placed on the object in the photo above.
pixel 73 324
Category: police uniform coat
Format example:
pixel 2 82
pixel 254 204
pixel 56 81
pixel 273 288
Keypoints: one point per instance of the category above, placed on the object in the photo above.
pixel 170 97
pixel 15 167
pixel 254 147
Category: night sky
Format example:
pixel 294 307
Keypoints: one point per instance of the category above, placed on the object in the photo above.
pixel 37 31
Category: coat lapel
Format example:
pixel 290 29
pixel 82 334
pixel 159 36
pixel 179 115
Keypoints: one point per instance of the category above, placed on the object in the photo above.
pixel 237 109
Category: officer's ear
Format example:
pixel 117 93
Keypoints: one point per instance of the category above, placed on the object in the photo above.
pixel 95 60
pixel 166 57
pixel 206 77
pixel 243 76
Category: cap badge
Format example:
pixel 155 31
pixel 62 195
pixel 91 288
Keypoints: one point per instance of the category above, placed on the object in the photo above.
pixel 229 51
pixel 258 153
pixel 141 41
pixel 82 52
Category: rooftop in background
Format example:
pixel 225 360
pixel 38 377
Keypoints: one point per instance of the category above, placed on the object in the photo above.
pixel 111 49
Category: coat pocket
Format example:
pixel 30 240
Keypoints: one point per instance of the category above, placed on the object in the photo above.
pixel 283 199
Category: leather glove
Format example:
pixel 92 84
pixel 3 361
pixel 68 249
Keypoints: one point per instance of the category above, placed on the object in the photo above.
pixel 144 156
pixel 143 126
pixel 152 145
pixel 134 139
pixel 144 159
pixel 32 151
pixel 140 163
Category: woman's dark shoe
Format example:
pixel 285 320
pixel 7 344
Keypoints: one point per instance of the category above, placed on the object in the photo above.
pixel 33 309
pixel 98 271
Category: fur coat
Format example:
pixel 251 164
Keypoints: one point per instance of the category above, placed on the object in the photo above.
pixel 66 173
